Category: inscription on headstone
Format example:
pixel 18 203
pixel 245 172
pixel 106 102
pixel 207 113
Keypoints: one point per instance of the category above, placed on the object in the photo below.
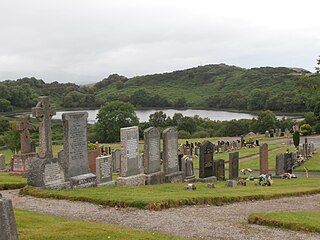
pixel 151 150
pixel 75 143
pixel 103 169
pixel 53 173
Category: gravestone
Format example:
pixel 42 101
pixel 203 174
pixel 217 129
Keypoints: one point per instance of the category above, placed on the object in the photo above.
pixel 219 169
pixel 288 162
pixel 170 156
pixel 231 183
pixel 116 155
pixel 151 157
pixel 2 162
pixel 103 169
pixel 44 112
pixel 92 155
pixel 279 164
pixel 264 159
pixel 83 181
pixel 19 164
pixel 75 154
pixel 206 167
pixel 130 159
pixel 234 165
pixel 187 167
pixel 8 228
pixel 287 132
pixel 47 173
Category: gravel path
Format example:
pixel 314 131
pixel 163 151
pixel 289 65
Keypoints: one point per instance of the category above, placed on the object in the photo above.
pixel 201 222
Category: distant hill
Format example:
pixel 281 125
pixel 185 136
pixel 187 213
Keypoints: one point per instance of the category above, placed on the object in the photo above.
pixel 210 86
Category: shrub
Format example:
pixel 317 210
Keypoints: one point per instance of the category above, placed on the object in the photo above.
pixel 306 129
pixel 201 134
pixel 184 134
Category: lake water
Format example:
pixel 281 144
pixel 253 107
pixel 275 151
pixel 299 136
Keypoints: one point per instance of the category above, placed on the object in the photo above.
pixel 143 115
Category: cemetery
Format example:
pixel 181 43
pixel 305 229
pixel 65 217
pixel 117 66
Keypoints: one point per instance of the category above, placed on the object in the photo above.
pixel 154 173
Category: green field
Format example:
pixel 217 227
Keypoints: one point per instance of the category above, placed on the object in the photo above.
pixel 299 221
pixel 173 195
pixel 36 226
pixel 11 182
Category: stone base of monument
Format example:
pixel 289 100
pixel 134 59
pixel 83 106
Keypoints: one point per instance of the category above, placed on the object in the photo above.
pixel 59 186
pixel 8 229
pixel 176 177
pixel 83 181
pixel 155 178
pixel 207 179
pixel 20 163
pixel 110 183
pixel 231 183
pixel 135 180
pixel 190 179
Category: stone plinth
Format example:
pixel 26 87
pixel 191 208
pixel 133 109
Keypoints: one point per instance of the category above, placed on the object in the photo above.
pixel 83 181
pixel 207 179
pixel 135 180
pixel 231 183
pixel 19 165
pixel 8 228
pixel 155 178
pixel 176 177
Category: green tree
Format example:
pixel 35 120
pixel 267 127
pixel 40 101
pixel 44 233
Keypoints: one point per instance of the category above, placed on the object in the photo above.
pixel 296 138
pixel 12 138
pixel 113 116
pixel 158 119
pixel 187 124
pixel 257 100
pixel 306 129
pixel 5 105
pixel 266 120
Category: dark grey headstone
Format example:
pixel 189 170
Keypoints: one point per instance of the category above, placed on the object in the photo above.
pixel 103 169
pixel 234 165
pixel 288 162
pixel 219 169
pixel 279 164
pixel 206 159
pixel 151 157
pixel 8 228
pixel 2 162
pixel 75 143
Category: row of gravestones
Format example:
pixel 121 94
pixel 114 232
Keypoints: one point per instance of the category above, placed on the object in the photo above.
pixel 277 132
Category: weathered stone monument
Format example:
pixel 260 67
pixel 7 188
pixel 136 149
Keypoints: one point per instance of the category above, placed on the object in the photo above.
pixel 103 169
pixel 219 169
pixel 288 162
pixel 151 157
pixel 19 164
pixel 75 153
pixel 2 162
pixel 206 168
pixel 170 156
pixel 234 165
pixel 130 167
pixel 279 164
pixel 116 155
pixel 187 168
pixel 264 159
pixel 8 228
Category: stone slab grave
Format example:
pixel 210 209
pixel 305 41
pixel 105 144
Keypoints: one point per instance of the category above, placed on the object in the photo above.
pixel 116 156
pixel 75 148
pixel 103 170
pixel 170 156
pixel 47 174
pixel 130 166
pixel 219 169
pixel 19 164
pixel 83 181
pixel 8 228
pixel 234 165
pixel 279 165
pixel 151 157
pixel 264 159
pixel 2 162
pixel 206 166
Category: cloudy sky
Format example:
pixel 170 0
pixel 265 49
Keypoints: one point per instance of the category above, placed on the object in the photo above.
pixel 86 40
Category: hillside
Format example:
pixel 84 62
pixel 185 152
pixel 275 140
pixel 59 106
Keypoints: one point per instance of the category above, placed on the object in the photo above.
pixel 209 86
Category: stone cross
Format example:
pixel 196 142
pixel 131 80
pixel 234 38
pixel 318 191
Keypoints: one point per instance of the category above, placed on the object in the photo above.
pixel 44 112
pixel 23 127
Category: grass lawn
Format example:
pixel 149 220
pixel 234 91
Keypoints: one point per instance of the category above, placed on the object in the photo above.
pixel 7 154
pixel 11 182
pixel 173 195
pixel 313 164
pixel 299 221
pixel 36 226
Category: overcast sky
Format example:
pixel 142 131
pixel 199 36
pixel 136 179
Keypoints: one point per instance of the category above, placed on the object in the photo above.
pixel 87 40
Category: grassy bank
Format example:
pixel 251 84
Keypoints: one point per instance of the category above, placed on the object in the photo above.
pixel 36 226
pixel 299 221
pixel 173 195
pixel 11 182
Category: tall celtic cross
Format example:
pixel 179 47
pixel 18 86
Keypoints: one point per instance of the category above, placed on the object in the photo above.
pixel 23 127
pixel 44 112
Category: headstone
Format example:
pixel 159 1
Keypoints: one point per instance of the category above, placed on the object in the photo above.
pixel 103 169
pixel 47 173
pixel 187 167
pixel 8 228
pixel 116 155
pixel 151 157
pixel 288 162
pixel 279 164
pixel 83 181
pixel 2 162
pixel 264 159
pixel 231 183
pixel 75 143
pixel 92 156
pixel 277 132
pixel 25 141
pixel 130 166
pixel 170 156
pixel 287 132
pixel 44 112
pixel 219 169
pixel 234 165
pixel 206 167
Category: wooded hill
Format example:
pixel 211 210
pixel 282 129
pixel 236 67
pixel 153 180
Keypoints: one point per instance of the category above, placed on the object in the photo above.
pixel 209 86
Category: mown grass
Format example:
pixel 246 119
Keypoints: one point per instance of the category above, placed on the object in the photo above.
pixel 11 182
pixel 173 195
pixel 7 154
pixel 36 226
pixel 298 221
pixel 312 164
